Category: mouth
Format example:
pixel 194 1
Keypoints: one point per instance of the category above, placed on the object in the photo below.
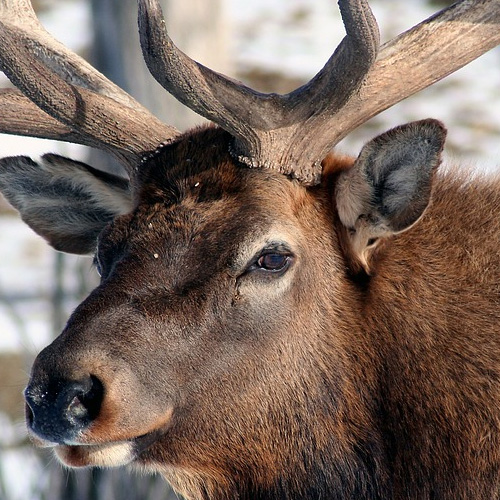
pixel 108 454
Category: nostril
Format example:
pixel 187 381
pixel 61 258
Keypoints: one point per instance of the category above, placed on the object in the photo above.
pixel 33 400
pixel 83 400
pixel 77 409
pixel 92 399
pixel 60 410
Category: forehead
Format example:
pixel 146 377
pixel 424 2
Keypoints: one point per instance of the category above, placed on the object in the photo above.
pixel 197 175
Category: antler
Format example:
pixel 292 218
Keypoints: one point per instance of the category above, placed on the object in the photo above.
pixel 292 133
pixel 266 126
pixel 77 103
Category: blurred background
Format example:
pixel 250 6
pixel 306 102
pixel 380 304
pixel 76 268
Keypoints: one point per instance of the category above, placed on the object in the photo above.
pixel 271 45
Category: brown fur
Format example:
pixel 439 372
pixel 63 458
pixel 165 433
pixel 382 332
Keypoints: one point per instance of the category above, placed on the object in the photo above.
pixel 327 382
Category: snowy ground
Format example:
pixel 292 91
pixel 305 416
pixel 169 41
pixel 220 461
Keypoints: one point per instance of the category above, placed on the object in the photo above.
pixel 289 36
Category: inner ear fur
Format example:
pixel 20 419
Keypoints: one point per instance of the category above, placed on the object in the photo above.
pixel 388 187
pixel 65 201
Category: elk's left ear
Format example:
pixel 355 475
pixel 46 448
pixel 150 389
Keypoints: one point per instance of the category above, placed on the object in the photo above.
pixel 389 186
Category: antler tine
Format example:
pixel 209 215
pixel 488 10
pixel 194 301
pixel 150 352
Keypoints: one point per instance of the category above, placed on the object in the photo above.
pixel 206 92
pixel 95 111
pixel 346 69
pixel 265 126
pixel 417 59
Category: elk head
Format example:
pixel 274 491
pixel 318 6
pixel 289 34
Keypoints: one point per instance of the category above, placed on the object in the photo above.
pixel 221 322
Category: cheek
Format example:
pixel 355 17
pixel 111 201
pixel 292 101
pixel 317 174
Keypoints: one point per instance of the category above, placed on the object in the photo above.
pixel 257 294
pixel 260 294
pixel 198 347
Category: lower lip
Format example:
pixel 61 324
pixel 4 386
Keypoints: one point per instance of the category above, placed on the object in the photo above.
pixel 104 455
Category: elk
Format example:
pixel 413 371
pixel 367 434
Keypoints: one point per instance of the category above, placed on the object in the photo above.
pixel 274 321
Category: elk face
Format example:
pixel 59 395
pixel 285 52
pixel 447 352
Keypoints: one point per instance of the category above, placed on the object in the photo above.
pixel 201 302
pixel 223 306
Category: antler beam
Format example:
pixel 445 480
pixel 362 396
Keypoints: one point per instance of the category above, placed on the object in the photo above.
pixel 88 107
pixel 418 58
pixel 20 116
pixel 270 130
pixel 252 117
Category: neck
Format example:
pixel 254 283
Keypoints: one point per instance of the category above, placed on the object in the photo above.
pixel 329 478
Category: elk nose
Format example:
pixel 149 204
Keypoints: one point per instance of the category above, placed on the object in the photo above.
pixel 60 411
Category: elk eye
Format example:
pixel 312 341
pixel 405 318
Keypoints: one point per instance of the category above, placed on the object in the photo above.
pixel 273 261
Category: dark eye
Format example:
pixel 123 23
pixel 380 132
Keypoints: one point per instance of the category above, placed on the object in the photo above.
pixel 273 262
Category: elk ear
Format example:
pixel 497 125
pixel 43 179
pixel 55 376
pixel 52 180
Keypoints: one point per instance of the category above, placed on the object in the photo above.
pixel 389 186
pixel 65 201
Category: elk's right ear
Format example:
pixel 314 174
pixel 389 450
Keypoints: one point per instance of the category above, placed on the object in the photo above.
pixel 389 186
pixel 65 201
